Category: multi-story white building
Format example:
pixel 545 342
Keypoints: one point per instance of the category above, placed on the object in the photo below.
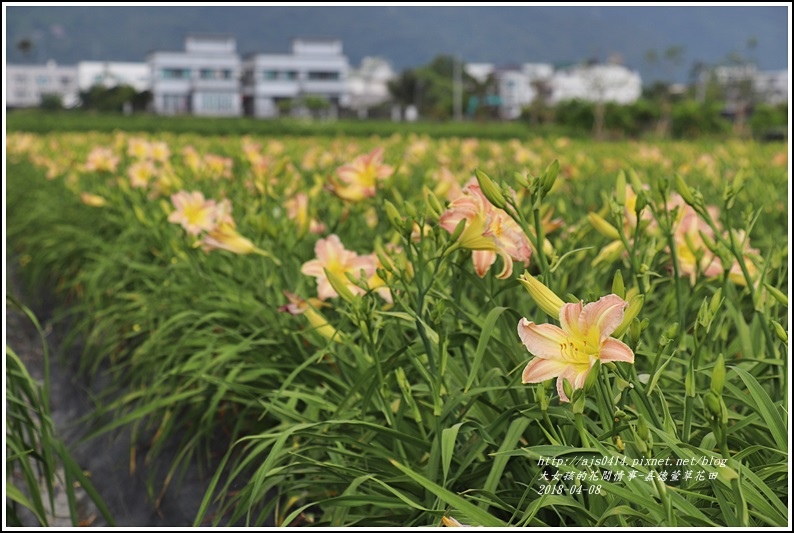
pixel 316 67
pixel 368 85
pixel 204 79
pixel 27 84
pixel 113 73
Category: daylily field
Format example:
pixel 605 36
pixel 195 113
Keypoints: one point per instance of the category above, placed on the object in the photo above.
pixel 406 331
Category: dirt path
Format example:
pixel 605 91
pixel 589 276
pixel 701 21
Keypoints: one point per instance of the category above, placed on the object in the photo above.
pixel 106 459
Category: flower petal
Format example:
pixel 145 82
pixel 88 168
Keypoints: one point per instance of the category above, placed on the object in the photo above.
pixel 615 350
pixel 483 259
pixel 604 316
pixel 538 370
pixel 542 340
pixel 569 318
pixel 575 375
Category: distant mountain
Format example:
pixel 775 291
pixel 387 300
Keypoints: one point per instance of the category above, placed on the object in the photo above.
pixel 412 36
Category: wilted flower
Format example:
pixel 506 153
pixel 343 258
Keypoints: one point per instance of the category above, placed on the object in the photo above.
pixel 571 351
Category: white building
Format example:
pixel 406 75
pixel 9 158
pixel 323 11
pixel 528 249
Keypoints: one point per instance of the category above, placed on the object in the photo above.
pixel 368 85
pixel 518 87
pixel 316 67
pixel 27 84
pixel 204 79
pixel 113 73
pixel 596 83
pixel 771 87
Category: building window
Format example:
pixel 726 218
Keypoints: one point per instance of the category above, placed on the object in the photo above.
pixel 174 103
pixel 291 74
pixel 215 74
pixel 216 102
pixel 42 79
pixel 270 74
pixel 323 75
pixel 66 81
pixel 21 79
pixel 175 74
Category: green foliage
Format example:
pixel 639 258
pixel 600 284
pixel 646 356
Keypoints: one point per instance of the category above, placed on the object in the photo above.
pixel 692 120
pixel 38 465
pixel 769 119
pixel 113 99
pixel 51 102
pixel 401 414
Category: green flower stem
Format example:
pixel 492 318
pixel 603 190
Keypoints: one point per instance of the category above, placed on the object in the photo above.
pixel 687 427
pixel 552 429
pixel 579 420
pixel 631 249
pixel 679 298
pixel 544 265
pixel 737 254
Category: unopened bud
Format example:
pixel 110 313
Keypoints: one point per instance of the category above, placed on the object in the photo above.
pixel 718 375
pixel 490 189
pixel 620 189
pixel 631 312
pixel 617 285
pixel 683 189
pixel 602 226
pixel 549 302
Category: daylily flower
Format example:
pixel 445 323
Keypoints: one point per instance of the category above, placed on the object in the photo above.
pixel 141 173
pixel 489 231
pixel 359 178
pixel 571 351
pixel 225 237
pixel 332 256
pixel 193 212
pixel 160 151
pixel 102 159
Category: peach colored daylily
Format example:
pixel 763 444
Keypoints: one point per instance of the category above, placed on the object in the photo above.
pixel 571 351
pixel 332 256
pixel 693 255
pixel 193 212
pixel 358 179
pixel 102 159
pixel 489 231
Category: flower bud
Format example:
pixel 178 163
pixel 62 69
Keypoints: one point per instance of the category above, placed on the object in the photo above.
pixel 718 375
pixel 602 226
pixel 620 189
pixel 549 302
pixel 340 286
pixel 393 215
pixel 777 294
pixel 683 189
pixel 490 190
pixel 631 312
pixel 617 285
pixel 779 331
pixel 550 176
